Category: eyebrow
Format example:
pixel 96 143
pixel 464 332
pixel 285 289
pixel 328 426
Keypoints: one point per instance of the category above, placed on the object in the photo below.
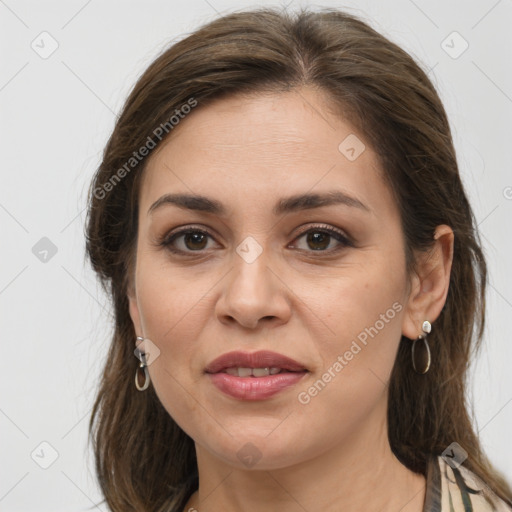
pixel 285 205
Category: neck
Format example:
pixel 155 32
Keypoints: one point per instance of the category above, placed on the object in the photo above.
pixel 361 473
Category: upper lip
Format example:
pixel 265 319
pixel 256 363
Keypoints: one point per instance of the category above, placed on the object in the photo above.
pixel 261 359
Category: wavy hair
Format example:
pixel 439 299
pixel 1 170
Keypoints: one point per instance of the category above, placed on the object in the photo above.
pixel 144 461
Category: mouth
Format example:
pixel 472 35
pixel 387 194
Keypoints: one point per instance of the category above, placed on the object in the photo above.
pixel 254 372
pixel 255 364
pixel 254 376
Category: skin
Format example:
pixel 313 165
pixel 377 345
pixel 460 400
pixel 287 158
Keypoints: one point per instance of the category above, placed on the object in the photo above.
pixel 248 152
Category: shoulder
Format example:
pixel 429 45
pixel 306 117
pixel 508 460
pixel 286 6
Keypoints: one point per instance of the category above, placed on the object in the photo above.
pixel 451 487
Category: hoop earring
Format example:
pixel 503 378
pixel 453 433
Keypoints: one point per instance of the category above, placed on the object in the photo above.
pixel 423 357
pixel 142 366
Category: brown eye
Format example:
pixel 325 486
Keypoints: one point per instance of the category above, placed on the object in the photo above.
pixel 193 240
pixel 320 238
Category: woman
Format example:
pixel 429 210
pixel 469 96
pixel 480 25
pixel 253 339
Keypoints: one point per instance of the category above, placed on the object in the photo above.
pixel 281 224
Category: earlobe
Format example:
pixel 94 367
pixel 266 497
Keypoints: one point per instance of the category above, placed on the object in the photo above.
pixel 431 283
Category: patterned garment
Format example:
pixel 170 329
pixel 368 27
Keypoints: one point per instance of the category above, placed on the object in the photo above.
pixel 458 490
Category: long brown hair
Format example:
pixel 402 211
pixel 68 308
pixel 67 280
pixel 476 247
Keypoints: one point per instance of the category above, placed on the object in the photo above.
pixel 144 461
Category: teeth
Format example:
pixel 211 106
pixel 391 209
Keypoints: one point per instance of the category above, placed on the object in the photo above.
pixel 260 372
pixel 253 372
pixel 244 372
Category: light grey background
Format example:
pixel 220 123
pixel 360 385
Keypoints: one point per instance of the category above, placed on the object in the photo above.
pixel 57 113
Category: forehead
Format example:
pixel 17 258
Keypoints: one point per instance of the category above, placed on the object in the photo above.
pixel 245 149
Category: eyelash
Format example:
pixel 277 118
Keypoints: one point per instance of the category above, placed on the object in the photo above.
pixel 167 240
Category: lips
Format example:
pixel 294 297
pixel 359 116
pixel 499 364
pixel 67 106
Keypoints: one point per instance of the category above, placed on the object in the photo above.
pixel 254 376
pixel 255 360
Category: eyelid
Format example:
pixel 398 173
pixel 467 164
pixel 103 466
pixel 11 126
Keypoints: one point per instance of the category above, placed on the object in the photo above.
pixel 323 227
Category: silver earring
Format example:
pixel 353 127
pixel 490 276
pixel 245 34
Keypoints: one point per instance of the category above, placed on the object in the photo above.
pixel 142 366
pixel 422 357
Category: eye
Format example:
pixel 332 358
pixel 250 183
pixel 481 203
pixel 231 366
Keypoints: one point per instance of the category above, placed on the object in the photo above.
pixel 192 240
pixel 319 238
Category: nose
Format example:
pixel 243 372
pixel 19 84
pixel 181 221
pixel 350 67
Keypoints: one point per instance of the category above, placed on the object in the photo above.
pixel 254 294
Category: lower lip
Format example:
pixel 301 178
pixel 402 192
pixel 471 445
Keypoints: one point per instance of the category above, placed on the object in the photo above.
pixel 254 388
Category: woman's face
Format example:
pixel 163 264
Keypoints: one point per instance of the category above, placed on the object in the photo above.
pixel 264 274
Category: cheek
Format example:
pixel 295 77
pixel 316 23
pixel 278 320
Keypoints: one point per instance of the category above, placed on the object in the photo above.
pixel 169 301
pixel 173 313
pixel 364 315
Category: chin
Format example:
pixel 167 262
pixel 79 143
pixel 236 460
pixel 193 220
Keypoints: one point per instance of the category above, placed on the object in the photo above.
pixel 257 450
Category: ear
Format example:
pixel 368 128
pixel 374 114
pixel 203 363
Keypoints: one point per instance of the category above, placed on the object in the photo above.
pixel 430 283
pixel 134 310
